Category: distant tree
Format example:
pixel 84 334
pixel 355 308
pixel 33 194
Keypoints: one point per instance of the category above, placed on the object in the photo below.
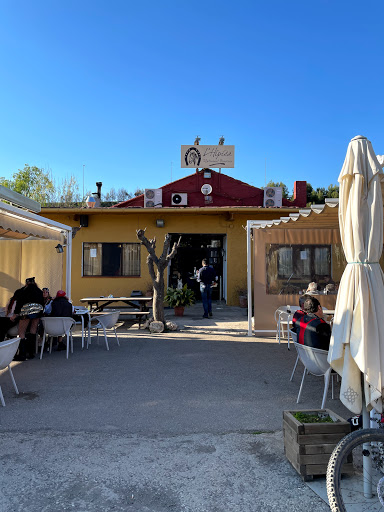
pixel 138 192
pixel 32 182
pixel 119 195
pixel 319 195
pixel 122 194
pixel 67 191
pixel 110 195
pixel 333 191
pixel 280 184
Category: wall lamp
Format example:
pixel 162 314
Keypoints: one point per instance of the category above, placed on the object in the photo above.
pixel 160 223
pixel 59 248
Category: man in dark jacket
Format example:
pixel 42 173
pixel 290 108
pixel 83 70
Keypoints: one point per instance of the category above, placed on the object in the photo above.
pixel 61 307
pixel 206 277
pixel 311 329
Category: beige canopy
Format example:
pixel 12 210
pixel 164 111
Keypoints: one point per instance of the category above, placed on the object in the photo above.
pixel 287 253
pixel 28 249
pixel 18 224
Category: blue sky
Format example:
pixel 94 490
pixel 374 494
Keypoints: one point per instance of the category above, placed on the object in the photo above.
pixel 119 86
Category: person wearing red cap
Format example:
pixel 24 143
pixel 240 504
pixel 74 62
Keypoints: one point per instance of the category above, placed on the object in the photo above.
pixel 61 307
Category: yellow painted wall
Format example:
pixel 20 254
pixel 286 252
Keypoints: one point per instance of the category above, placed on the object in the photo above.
pixel 121 228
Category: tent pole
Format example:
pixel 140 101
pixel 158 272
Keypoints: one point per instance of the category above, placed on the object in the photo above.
pixel 249 278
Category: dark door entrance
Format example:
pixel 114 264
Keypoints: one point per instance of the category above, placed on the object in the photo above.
pixel 192 250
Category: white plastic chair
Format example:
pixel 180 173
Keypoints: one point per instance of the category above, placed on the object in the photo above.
pixel 294 339
pixel 105 322
pixel 8 350
pixel 315 362
pixel 57 326
pixel 284 318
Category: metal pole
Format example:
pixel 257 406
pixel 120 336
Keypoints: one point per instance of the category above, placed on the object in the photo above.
pixel 83 182
pixel 367 461
pixel 249 279
pixel 68 267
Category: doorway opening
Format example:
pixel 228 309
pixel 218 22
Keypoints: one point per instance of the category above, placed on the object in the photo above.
pixel 192 250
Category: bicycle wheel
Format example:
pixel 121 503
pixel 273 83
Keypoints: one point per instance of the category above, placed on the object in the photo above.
pixel 346 490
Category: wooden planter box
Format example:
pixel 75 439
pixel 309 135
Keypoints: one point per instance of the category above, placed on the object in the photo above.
pixel 308 446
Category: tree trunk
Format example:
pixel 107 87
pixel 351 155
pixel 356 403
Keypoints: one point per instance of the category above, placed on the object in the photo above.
pixel 161 263
pixel 158 298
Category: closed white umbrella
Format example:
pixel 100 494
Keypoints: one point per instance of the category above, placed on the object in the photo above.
pixel 357 342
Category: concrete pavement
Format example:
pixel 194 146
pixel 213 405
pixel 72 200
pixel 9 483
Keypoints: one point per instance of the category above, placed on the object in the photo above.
pixel 184 421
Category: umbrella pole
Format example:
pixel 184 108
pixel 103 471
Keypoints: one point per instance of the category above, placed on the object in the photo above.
pixel 367 461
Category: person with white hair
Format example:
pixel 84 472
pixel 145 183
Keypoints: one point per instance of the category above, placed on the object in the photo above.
pixel 312 289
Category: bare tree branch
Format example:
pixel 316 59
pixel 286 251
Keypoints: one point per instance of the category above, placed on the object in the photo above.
pixel 150 245
pixel 167 242
pixel 174 250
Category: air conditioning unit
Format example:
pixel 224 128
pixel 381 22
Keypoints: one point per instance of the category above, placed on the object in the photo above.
pixel 273 197
pixel 153 198
pixel 179 199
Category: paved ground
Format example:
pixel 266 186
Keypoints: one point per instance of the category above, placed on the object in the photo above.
pixel 185 421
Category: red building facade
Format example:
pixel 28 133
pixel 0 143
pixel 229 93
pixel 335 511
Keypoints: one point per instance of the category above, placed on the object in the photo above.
pixel 226 191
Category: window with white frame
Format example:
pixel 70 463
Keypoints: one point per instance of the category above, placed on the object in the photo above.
pixel 111 259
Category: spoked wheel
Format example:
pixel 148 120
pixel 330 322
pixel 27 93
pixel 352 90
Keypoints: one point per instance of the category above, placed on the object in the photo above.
pixel 347 482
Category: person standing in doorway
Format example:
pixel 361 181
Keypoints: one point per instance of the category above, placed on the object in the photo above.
pixel 206 277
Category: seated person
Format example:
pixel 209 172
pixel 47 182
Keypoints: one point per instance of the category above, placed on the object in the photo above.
pixel 61 307
pixel 311 329
pixel 47 301
pixel 300 312
pixel 312 289
pixel 9 320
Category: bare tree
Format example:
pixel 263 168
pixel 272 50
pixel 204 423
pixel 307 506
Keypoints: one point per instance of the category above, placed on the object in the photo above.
pixel 161 263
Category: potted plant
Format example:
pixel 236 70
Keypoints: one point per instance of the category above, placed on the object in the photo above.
pixel 309 439
pixel 179 298
pixel 242 292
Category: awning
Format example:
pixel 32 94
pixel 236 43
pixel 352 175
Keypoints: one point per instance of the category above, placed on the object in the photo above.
pixel 19 224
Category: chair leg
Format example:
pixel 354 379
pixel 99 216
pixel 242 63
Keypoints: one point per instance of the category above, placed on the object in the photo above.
pixel 82 332
pixel 301 385
pixel 2 398
pixel 105 336
pixel 294 369
pixel 117 339
pixel 42 346
pixel 13 379
pixel 327 375
pixel 67 345
pixel 71 338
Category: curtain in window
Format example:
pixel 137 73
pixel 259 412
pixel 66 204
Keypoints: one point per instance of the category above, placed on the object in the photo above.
pixel 321 261
pixel 130 259
pixel 285 261
pixel 93 257
pixel 305 261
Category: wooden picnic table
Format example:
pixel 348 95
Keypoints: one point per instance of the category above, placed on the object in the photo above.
pixel 137 304
pixel 99 303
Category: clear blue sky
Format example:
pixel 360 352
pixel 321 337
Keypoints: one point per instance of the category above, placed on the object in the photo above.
pixel 120 85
